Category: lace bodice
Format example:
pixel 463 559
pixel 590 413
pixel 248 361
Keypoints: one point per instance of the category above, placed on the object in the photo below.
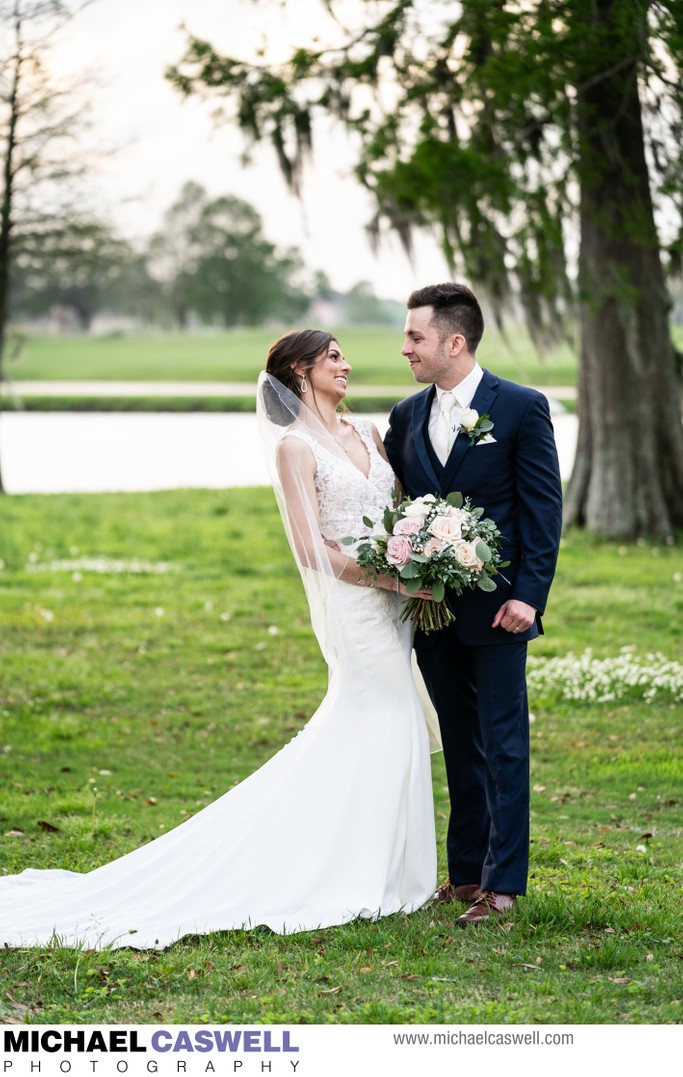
pixel 345 495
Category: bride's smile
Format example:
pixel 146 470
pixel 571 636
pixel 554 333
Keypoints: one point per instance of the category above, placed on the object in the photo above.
pixel 329 375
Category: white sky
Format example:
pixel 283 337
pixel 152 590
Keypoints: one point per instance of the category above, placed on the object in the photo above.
pixel 163 141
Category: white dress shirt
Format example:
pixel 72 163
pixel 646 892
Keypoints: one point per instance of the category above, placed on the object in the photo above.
pixel 464 393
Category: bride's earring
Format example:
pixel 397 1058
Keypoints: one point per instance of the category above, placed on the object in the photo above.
pixel 304 384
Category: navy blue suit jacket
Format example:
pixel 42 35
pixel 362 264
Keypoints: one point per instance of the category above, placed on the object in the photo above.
pixel 515 479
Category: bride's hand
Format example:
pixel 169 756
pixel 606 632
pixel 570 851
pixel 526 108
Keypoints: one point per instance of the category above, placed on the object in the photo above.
pixel 392 583
pixel 426 592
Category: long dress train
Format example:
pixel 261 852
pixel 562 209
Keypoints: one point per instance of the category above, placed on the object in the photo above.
pixel 338 824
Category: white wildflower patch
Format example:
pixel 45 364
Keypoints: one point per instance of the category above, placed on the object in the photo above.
pixel 586 679
pixel 105 566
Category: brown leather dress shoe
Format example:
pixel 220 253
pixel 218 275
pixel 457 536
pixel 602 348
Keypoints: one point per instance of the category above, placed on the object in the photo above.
pixel 487 904
pixel 464 892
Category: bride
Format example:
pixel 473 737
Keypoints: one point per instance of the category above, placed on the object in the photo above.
pixel 339 824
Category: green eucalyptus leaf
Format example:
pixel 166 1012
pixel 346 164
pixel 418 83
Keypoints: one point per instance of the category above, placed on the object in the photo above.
pixel 438 591
pixel 410 571
pixel 390 519
pixel 486 584
pixel 413 585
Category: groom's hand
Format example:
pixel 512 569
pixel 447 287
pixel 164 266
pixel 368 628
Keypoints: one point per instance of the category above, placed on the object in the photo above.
pixel 515 616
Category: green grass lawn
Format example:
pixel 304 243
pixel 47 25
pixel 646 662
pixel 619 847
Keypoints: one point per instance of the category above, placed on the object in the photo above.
pixel 374 353
pixel 136 688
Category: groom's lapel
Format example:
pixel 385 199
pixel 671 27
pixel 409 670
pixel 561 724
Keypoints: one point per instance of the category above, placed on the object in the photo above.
pixel 486 393
pixel 421 411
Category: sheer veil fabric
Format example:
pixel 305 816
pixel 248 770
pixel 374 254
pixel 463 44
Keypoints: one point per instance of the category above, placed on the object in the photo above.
pixel 280 414
pixel 339 824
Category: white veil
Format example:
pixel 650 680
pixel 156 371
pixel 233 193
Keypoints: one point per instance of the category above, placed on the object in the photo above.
pixel 282 415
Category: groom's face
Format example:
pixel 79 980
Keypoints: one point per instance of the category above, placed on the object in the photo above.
pixel 429 356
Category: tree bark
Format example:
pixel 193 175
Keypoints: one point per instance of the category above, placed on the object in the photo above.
pixel 8 198
pixel 628 472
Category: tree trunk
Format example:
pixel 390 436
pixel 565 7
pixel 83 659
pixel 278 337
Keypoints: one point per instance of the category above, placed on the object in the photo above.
pixel 628 473
pixel 6 205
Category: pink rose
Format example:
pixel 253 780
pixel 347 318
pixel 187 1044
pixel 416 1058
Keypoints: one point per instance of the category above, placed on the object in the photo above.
pixel 399 550
pixel 406 527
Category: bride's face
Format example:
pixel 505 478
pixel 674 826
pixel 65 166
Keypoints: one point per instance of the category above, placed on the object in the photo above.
pixel 329 373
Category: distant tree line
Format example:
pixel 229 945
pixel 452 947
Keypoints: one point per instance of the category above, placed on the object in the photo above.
pixel 208 264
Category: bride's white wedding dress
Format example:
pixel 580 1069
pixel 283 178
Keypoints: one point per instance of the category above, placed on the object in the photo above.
pixel 338 824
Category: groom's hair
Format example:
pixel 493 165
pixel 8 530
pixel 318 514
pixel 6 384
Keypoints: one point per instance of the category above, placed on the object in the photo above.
pixel 456 310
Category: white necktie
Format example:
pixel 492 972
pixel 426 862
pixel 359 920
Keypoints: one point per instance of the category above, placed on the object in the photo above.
pixel 443 431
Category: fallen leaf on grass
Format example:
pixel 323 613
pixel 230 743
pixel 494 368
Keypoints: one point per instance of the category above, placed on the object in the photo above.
pixel 48 827
pixel 330 991
pixel 619 979
pixel 14 834
pixel 366 968
pixel 412 976
pixel 523 965
pixel 19 1011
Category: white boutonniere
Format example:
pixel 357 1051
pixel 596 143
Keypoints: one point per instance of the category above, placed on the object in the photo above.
pixel 476 426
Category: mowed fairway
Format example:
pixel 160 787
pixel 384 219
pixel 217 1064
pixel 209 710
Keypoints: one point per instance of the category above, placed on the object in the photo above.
pixel 238 356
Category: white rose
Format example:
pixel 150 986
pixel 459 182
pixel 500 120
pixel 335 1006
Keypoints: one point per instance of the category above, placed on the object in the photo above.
pixel 415 511
pixel 466 555
pixel 470 418
pixel 432 546
pixel 445 528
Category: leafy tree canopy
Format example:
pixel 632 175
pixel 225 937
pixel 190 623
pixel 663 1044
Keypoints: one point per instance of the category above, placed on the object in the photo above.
pixel 466 121
pixel 217 264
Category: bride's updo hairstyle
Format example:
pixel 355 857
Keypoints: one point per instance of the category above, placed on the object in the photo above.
pixel 300 347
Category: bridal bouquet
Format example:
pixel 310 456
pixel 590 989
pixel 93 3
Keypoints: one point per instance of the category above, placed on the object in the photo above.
pixel 433 542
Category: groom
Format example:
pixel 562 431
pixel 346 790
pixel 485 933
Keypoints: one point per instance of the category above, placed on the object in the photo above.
pixel 475 669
